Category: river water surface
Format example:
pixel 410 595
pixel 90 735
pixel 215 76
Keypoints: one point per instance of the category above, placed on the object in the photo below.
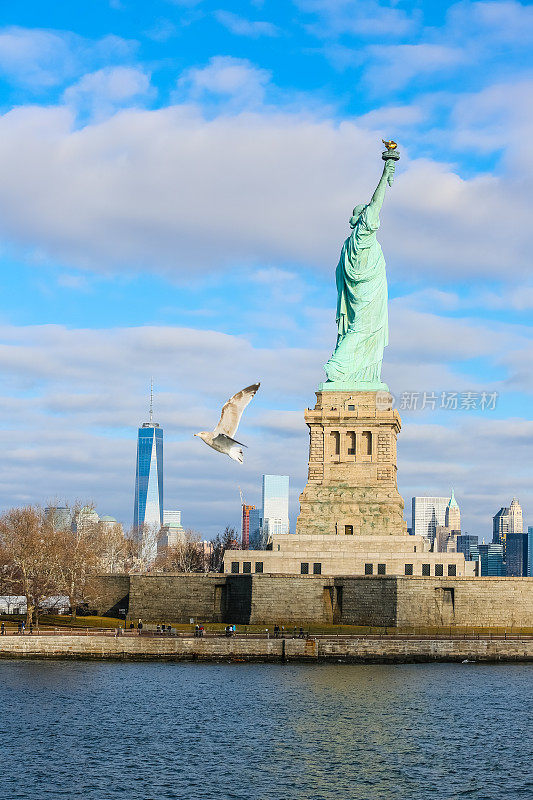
pixel 151 731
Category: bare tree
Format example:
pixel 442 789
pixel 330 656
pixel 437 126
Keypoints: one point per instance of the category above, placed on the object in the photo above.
pixel 186 555
pixel 30 557
pixel 113 547
pixel 82 550
pixel 221 543
pixel 132 551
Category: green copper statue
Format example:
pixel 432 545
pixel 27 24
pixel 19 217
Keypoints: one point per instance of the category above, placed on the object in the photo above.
pixel 362 318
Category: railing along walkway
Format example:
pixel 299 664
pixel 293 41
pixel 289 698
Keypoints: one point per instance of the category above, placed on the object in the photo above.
pixel 333 637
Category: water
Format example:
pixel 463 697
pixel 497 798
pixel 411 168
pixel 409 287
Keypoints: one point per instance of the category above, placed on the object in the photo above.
pixel 100 731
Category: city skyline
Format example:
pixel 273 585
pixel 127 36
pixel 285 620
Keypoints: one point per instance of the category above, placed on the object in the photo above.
pixel 434 511
pixel 145 254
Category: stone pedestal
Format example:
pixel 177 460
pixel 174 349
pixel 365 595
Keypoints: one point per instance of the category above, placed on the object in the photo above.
pixel 351 487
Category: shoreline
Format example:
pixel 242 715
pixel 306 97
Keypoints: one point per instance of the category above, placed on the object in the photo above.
pixel 358 649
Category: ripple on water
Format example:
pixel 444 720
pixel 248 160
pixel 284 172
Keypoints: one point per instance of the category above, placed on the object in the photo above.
pixel 101 731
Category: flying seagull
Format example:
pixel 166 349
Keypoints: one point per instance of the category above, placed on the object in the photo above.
pixel 221 438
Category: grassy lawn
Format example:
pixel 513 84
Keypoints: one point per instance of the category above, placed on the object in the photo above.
pixel 48 621
pixel 63 621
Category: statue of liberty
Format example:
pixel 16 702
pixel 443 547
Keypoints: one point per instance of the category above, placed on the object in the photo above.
pixel 362 318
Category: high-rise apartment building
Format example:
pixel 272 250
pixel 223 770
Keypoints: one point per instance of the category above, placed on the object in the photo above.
pixel 507 520
pixel 516 555
pixel 245 527
pixel 59 516
pixel 255 532
pixel 273 516
pixel 452 515
pixel 530 552
pixel 171 532
pixel 108 523
pixel 500 524
pixel 445 540
pixel 464 544
pixel 490 557
pixel 516 521
pixel 148 506
pixel 275 504
pixel 85 519
pixel 172 518
pixel 428 513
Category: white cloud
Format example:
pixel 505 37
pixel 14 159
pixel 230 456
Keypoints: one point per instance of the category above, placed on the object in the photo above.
pixel 394 66
pixel 477 42
pixel 245 27
pixel 371 18
pixel 515 298
pixel 393 117
pixel 35 57
pixel 236 80
pixel 179 193
pixel 496 22
pixel 100 93
pixel 498 118
pixel 40 59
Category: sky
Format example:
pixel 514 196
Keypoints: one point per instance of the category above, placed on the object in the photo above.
pixel 176 179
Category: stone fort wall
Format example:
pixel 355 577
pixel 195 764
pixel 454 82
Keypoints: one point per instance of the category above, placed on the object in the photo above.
pixel 360 649
pixel 305 599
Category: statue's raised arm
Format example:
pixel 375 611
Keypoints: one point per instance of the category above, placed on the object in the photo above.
pixel 387 177
pixel 362 318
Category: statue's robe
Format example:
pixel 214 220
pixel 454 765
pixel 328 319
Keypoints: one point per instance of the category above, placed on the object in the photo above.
pixel 362 319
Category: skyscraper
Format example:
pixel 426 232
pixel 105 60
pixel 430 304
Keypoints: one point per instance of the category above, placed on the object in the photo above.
pixel 445 540
pixel 59 516
pixel 465 543
pixel 275 504
pixel 245 529
pixel 530 552
pixel 148 507
pixel 490 557
pixel 172 531
pixel 453 515
pixel 428 513
pixel 85 520
pixel 516 522
pixel 507 520
pixel 255 530
pixel 516 555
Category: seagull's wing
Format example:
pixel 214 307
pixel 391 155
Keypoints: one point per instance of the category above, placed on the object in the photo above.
pixel 232 411
pixel 227 441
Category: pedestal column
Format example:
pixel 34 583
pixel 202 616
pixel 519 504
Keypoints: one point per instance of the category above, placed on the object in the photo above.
pixel 351 484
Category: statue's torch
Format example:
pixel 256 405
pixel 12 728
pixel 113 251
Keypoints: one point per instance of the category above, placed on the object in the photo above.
pixel 390 154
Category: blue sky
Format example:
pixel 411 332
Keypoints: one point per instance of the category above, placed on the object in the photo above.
pixel 176 183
